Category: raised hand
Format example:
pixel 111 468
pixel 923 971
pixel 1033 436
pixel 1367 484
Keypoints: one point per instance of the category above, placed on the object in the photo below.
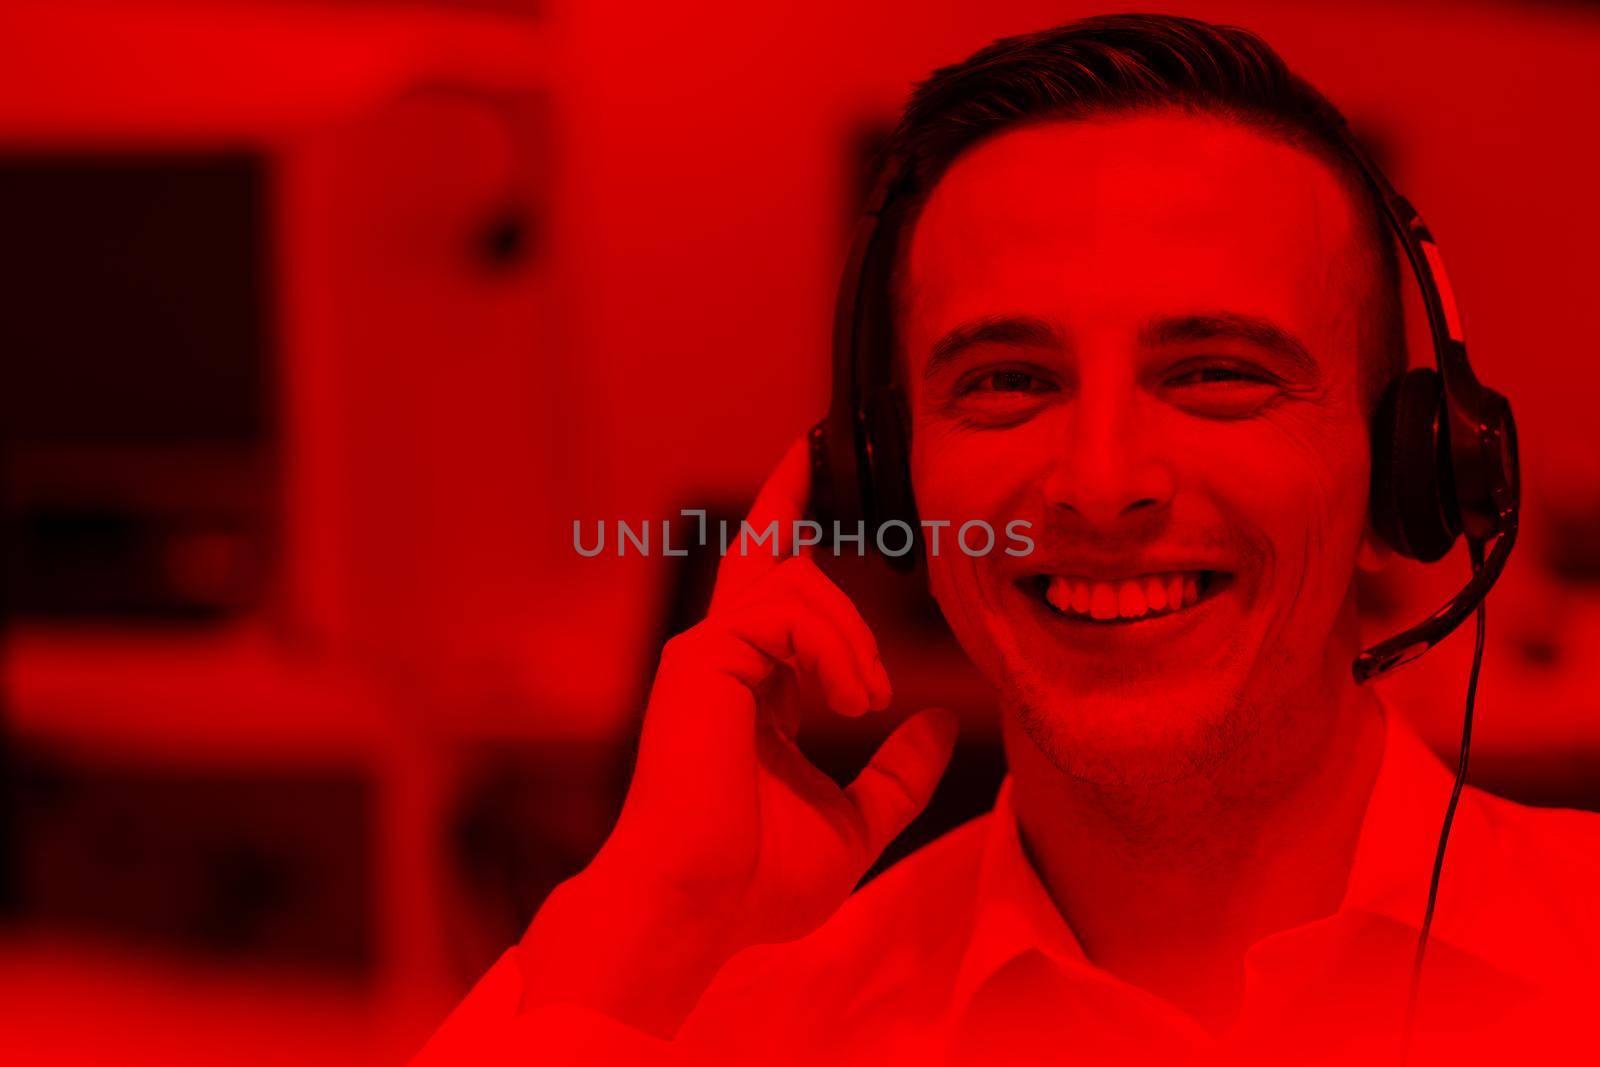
pixel 729 836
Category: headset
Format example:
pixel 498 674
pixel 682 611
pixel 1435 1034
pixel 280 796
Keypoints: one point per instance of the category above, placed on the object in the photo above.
pixel 1444 445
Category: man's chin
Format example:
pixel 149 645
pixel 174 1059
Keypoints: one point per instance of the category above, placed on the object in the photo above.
pixel 1160 732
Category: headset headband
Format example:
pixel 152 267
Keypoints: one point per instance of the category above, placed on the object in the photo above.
pixel 1474 426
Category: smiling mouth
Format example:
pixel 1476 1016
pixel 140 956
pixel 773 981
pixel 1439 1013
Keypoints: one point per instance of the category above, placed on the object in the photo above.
pixel 1126 600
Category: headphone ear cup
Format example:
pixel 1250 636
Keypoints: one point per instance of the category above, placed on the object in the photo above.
pixel 1413 493
pixel 890 477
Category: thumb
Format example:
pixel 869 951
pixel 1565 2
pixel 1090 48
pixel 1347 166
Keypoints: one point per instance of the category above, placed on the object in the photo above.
pixel 899 781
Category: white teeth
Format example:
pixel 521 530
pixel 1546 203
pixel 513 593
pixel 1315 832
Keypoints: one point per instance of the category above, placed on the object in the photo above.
pixel 1059 595
pixel 1131 598
pixel 1080 596
pixel 1102 600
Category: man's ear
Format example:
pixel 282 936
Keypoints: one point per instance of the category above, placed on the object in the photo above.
pixel 1374 553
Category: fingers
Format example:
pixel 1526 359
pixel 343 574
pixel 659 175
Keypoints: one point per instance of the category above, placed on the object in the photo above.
pixel 805 579
pixel 784 495
pixel 746 573
pixel 791 628
pixel 783 697
pixel 782 500
pixel 899 782
pixel 823 620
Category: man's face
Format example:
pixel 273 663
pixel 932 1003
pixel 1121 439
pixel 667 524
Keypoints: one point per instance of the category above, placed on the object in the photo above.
pixel 1140 334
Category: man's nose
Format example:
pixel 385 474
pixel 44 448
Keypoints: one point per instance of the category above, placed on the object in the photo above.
pixel 1111 470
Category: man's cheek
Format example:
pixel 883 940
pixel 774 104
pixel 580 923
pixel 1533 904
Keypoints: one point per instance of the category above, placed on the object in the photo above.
pixel 1307 498
pixel 962 477
pixel 1290 472
pixel 959 603
pixel 1329 498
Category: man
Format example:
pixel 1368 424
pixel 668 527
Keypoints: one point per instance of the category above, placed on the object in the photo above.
pixel 1146 306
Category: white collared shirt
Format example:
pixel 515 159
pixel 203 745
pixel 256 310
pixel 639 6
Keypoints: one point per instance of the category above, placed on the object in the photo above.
pixel 957 954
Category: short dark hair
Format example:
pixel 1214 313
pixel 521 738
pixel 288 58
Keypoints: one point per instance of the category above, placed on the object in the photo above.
pixel 1113 64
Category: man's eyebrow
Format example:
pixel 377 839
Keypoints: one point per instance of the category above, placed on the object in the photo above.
pixel 1021 331
pixel 1230 325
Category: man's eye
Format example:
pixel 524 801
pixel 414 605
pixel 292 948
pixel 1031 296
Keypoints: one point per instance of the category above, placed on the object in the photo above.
pixel 1007 381
pixel 1223 390
pixel 1219 376
pixel 1001 397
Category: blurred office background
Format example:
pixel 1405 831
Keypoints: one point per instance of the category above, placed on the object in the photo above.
pixel 320 323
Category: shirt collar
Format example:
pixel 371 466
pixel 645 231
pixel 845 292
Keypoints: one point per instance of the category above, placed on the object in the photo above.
pixel 1014 910
pixel 1394 856
pixel 1393 860
pixel 1389 873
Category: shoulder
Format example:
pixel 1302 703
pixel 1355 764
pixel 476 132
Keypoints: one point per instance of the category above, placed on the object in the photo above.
pixel 1529 882
pixel 1554 851
pixel 1565 836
